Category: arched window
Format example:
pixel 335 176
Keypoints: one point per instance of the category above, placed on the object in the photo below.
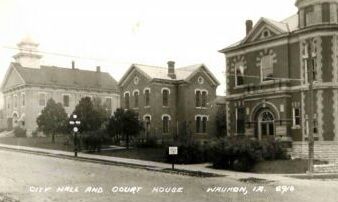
pixel 204 98
pixel 198 124
pixel 136 93
pixel 126 100
pixel 165 123
pixel 204 124
pixel 147 97
pixel 198 98
pixel 165 94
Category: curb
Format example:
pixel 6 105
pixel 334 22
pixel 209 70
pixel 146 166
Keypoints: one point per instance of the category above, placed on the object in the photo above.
pixel 190 173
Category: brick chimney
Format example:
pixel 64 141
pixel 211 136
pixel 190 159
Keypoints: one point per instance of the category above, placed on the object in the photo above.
pixel 249 25
pixel 171 69
pixel 98 69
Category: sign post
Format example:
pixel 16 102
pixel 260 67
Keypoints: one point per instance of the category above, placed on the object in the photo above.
pixel 173 151
pixel 75 123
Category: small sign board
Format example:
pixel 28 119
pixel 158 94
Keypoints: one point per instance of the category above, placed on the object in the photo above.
pixel 173 150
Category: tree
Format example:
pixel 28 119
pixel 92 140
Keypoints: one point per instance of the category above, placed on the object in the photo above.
pixel 125 123
pixel 221 122
pixel 53 119
pixel 91 114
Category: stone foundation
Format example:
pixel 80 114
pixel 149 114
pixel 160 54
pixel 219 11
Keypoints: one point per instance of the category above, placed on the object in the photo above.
pixel 323 150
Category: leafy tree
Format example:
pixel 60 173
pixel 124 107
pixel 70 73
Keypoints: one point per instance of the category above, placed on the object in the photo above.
pixel 91 114
pixel 221 122
pixel 53 119
pixel 125 123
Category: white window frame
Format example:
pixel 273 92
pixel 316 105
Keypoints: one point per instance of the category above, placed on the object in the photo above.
pixel 63 104
pixel 23 99
pixel 45 94
pixel 262 74
pixel 165 88
pixel 15 101
pixel 147 115
pixel 294 125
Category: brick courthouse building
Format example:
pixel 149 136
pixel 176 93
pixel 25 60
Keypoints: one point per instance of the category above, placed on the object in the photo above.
pixel 171 100
pixel 267 82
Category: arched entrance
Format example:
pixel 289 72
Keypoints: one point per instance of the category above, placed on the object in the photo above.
pixel 266 124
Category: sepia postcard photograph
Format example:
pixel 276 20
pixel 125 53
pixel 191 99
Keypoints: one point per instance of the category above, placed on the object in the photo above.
pixel 168 100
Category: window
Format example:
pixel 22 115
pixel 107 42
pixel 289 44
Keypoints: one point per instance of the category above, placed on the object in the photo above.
pixel 313 63
pixel 240 120
pixel 315 127
pixel 165 95
pixel 23 99
pixel 296 117
pixel 308 15
pixel 126 100
pixel 198 98
pixel 108 103
pixel 15 99
pixel 147 97
pixel 204 124
pixel 239 80
pixel 326 12
pixel 266 68
pixel 198 124
pixel 147 119
pixel 136 93
pixel 42 99
pixel 204 98
pixel 66 100
pixel 165 120
pixel 8 102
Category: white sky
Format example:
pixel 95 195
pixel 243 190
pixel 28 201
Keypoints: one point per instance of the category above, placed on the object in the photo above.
pixel 119 33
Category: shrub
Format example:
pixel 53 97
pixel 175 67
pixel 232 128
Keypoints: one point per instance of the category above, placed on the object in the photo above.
pixel 193 152
pixel 241 153
pixel 92 140
pixel 19 132
pixel 150 142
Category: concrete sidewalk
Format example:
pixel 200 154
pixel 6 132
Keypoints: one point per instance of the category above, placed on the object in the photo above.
pixel 156 166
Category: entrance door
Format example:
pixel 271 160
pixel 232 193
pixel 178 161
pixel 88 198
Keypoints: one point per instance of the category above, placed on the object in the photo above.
pixel 266 125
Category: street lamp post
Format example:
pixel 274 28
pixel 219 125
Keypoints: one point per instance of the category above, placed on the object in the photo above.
pixel 75 123
pixel 310 66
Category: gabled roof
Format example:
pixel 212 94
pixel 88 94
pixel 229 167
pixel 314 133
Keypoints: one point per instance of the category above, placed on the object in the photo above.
pixel 51 76
pixel 286 26
pixel 156 72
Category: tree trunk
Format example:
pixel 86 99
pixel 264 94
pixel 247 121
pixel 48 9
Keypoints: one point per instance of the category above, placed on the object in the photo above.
pixel 127 141
pixel 53 138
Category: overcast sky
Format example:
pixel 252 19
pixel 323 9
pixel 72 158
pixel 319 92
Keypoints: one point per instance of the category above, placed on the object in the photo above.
pixel 114 34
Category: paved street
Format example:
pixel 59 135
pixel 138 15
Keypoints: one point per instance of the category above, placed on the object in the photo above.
pixel 22 175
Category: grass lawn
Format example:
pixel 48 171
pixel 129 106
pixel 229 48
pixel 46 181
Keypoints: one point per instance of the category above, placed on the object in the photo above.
pixel 150 154
pixel 283 166
pixel 39 142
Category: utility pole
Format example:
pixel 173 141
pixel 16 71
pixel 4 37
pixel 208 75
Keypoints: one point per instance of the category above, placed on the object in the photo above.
pixel 310 68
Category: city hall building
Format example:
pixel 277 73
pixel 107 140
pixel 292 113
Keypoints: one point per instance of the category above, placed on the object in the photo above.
pixel 267 79
pixel 28 86
pixel 171 101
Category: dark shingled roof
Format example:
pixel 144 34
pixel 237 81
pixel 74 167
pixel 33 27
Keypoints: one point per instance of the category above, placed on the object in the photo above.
pixel 67 78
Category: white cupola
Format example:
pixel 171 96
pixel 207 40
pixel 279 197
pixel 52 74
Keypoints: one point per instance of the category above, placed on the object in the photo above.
pixel 28 53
